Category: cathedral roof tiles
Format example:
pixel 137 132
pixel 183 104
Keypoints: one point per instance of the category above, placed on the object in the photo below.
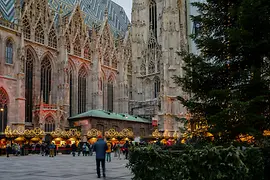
pixel 93 11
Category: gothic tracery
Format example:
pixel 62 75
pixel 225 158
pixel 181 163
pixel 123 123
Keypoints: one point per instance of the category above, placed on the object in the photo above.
pixel 39 33
pixel 52 38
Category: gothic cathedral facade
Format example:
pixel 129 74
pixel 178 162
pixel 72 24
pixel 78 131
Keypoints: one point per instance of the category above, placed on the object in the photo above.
pixel 54 65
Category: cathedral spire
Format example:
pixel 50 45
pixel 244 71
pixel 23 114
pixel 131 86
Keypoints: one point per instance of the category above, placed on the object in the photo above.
pixel 106 14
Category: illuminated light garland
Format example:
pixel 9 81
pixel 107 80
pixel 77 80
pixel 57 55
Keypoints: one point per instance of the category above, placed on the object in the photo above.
pixel 37 132
pixel 125 133
pixel 93 133
pixel 72 133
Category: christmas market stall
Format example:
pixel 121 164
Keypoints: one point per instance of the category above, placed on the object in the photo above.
pixel 126 135
pixel 113 136
pixel 119 137
pixel 62 138
pixel 26 136
pixel 92 135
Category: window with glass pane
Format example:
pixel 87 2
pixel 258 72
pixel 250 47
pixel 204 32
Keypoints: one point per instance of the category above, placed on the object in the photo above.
pixel 52 39
pixel 153 17
pixel 82 90
pixel 29 73
pixel 70 81
pixel 9 52
pixel 45 79
pixel 26 28
pixel 110 96
pixel 39 33
pixel 157 87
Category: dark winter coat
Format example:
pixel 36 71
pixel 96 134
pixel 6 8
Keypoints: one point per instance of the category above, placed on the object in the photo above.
pixel 100 147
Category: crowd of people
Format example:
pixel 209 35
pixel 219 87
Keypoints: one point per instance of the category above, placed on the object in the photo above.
pixel 51 150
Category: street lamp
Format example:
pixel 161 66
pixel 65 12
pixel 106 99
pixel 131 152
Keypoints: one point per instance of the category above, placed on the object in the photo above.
pixel 2 111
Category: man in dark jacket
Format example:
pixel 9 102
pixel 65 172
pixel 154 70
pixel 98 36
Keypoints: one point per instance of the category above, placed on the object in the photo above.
pixel 100 147
pixel 74 149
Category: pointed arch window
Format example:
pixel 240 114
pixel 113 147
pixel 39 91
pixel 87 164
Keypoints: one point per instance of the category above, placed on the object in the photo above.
pixel 156 87
pixel 67 43
pixel 82 90
pixel 153 17
pixel 45 79
pixel 87 53
pixel 26 29
pixel 110 95
pixel 29 74
pixel 39 33
pixel 3 109
pixel 52 39
pixel 114 62
pixel 77 47
pixel 49 124
pixel 143 69
pixel 9 52
pixel 151 68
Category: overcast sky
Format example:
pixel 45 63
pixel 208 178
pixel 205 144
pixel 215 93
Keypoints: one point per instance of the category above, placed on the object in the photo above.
pixel 127 5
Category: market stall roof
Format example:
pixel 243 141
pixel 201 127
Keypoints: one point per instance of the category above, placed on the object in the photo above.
pixel 109 115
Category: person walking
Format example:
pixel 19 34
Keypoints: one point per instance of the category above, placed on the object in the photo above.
pixel 87 150
pixel 52 148
pixel 73 149
pixel 84 149
pixel 100 147
pixel 108 152
pixel 9 150
pixel 126 149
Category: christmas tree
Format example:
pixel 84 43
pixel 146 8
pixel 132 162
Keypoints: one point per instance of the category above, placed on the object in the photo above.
pixel 228 81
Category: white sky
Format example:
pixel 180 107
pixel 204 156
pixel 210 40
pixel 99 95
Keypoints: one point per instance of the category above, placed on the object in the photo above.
pixel 127 5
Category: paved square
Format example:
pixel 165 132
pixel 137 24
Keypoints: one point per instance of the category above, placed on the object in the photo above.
pixel 36 167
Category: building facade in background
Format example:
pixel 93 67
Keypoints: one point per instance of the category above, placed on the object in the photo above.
pixel 158 36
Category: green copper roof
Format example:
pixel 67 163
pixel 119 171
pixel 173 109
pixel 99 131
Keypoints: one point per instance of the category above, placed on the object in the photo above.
pixel 109 115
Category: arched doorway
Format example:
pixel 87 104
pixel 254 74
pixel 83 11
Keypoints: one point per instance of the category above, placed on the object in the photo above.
pixel 3 109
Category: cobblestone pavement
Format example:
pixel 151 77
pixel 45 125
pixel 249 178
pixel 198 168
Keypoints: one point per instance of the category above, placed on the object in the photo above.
pixel 36 167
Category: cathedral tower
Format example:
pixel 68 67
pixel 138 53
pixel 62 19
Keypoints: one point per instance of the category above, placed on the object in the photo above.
pixel 158 37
